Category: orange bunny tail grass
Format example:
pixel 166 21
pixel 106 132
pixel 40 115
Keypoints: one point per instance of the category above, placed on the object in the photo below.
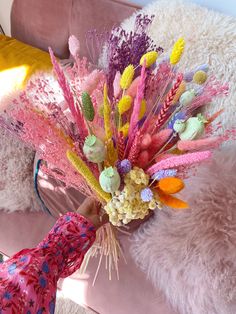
pixel 170 185
pixel 172 201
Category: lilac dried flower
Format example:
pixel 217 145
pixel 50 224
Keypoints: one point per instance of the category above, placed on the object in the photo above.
pixel 126 48
pixel 124 166
pixel 146 195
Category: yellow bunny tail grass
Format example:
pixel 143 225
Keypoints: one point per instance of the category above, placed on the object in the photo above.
pixel 124 104
pixel 143 109
pixel 107 114
pixel 127 77
pixel 180 91
pixel 125 129
pixel 86 173
pixel 177 51
pixel 150 58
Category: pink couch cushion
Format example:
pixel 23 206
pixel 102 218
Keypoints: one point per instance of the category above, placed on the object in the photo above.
pixel 44 23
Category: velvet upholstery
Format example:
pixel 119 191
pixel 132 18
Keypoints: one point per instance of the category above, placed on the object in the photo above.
pixel 44 23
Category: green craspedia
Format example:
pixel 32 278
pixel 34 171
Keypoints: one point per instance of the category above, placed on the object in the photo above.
pixel 88 108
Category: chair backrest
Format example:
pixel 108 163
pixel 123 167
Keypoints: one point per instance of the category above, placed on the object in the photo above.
pixel 44 23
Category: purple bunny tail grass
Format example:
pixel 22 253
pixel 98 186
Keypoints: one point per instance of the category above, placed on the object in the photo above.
pixel 68 96
pixel 182 160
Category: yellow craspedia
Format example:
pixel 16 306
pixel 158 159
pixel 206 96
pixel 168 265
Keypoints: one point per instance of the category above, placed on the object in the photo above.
pixel 200 77
pixel 124 104
pixel 143 109
pixel 177 51
pixel 127 77
pixel 150 58
pixel 125 129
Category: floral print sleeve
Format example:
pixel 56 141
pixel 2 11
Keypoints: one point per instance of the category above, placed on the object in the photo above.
pixel 28 280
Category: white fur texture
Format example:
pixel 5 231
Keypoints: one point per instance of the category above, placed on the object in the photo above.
pixel 210 38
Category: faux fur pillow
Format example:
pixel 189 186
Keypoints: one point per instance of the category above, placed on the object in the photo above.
pixel 16 175
pixel 191 256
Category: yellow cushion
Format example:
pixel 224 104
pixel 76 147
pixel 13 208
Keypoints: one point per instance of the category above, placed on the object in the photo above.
pixel 18 62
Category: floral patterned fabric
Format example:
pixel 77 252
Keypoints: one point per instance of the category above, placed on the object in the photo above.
pixel 28 280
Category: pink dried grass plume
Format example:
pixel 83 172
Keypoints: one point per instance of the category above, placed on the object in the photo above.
pixel 121 146
pixel 135 150
pixel 116 84
pixel 69 97
pixel 159 139
pixel 182 160
pixel 205 143
pixel 92 81
pixel 132 90
pixel 213 88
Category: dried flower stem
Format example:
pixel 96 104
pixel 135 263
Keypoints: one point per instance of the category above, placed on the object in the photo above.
pixel 168 102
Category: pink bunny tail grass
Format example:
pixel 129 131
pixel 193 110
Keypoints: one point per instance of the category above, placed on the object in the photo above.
pixel 92 81
pixel 68 96
pixel 135 150
pixel 121 146
pixel 168 102
pixel 183 160
pixel 137 105
pixel 160 139
pixel 132 90
pixel 206 143
pixel 74 46
pixel 116 84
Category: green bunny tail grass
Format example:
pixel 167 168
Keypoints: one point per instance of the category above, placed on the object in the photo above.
pixel 88 109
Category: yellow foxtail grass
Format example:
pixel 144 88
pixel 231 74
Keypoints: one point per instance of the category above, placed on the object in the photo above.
pixel 177 51
pixel 143 109
pixel 150 58
pixel 107 114
pixel 127 77
pixel 87 174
